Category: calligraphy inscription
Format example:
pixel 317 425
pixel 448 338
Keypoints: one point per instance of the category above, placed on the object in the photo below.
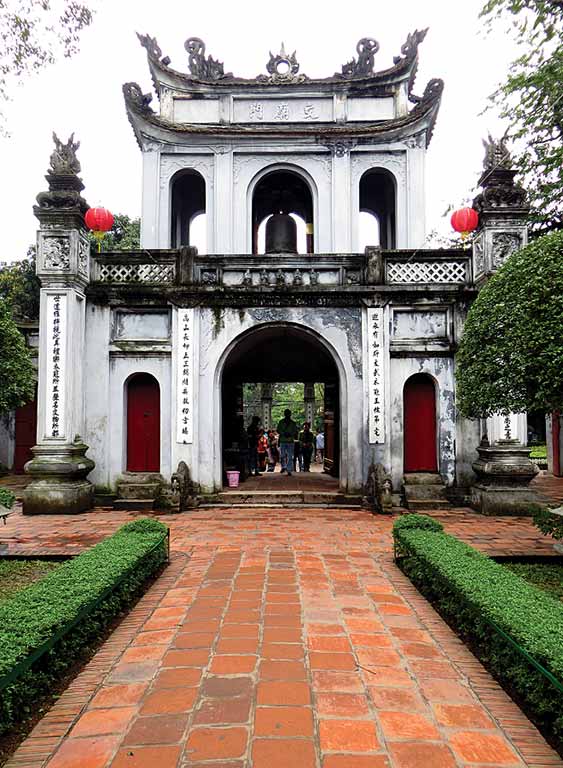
pixel 55 365
pixel 185 376
pixel 375 377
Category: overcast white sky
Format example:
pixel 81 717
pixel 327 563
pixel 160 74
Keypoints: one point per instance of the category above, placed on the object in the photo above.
pixel 83 94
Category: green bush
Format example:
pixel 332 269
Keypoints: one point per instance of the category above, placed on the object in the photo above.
pixel 419 522
pixel 7 498
pixel 548 523
pixel 491 608
pixel 50 625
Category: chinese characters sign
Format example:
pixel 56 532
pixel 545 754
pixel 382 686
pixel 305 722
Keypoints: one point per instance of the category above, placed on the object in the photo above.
pixel 376 381
pixel 184 383
pixel 283 110
pixel 56 355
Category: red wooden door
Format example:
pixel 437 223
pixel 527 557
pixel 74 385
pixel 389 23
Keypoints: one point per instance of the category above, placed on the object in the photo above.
pixel 26 434
pixel 419 397
pixel 143 424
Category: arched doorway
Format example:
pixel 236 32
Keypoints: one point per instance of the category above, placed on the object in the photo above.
pixel 276 354
pixel 420 445
pixel 25 435
pixel 143 423
pixel 188 209
pixel 283 191
pixel 377 197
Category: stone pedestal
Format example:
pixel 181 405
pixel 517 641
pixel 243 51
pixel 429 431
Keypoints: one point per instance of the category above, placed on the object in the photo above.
pixel 59 484
pixel 504 472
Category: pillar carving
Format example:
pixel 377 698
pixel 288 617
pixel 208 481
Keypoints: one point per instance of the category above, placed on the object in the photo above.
pixel 309 402
pixel 266 398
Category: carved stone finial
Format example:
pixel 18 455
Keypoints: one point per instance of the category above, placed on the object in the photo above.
pixel 283 68
pixel 64 184
pixel 63 159
pixel 366 49
pixel 496 154
pixel 200 67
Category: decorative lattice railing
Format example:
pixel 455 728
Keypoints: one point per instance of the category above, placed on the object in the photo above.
pixel 136 273
pixel 454 271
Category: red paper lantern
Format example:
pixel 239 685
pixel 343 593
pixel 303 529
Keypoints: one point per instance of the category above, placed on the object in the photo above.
pixel 465 221
pixel 99 219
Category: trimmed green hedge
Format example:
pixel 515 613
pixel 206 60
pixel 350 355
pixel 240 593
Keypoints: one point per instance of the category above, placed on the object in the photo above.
pixel 47 627
pixel 493 610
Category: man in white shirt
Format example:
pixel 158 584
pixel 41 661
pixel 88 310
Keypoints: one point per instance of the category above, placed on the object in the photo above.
pixel 320 446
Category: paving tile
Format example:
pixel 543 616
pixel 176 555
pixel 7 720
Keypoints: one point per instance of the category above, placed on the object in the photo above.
pixel 401 699
pixel 86 753
pixel 162 729
pixel 397 725
pixel 282 753
pixel 343 682
pixel 321 660
pixel 223 711
pixel 358 761
pixel 342 705
pixel 119 695
pixel 283 721
pixel 232 665
pixel 177 677
pixel 147 757
pixel 283 693
pixel 226 687
pixel 348 736
pixel 282 670
pixel 420 755
pixel 216 743
pixel 462 716
pixel 97 722
pixel 485 748
pixel 169 701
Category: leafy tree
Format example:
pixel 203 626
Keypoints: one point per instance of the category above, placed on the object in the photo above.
pixel 531 100
pixel 34 33
pixel 125 235
pixel 19 286
pixel 511 354
pixel 16 368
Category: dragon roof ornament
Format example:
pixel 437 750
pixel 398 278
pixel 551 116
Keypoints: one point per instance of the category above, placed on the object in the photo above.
pixel 153 49
pixel 366 49
pixel 200 67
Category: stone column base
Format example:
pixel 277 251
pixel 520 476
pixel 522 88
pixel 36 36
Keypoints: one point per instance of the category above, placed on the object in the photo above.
pixel 59 484
pixel 498 500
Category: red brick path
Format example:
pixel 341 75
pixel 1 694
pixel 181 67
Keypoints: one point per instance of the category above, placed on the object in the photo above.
pixel 280 638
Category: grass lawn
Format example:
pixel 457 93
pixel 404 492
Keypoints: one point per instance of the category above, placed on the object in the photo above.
pixel 17 574
pixel 547 577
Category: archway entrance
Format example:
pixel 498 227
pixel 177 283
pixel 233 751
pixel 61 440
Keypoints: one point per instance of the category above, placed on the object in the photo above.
pixel 143 424
pixel 283 191
pixel 419 400
pixel 274 355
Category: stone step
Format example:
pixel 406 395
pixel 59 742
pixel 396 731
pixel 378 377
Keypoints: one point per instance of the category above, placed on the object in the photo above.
pixel 424 492
pixel 286 498
pixel 422 478
pixel 130 490
pixel 421 505
pixel 133 505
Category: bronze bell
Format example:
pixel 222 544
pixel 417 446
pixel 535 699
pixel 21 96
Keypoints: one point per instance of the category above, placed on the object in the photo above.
pixel 281 234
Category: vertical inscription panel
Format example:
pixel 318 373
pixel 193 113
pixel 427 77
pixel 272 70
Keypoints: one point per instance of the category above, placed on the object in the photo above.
pixel 376 379
pixel 55 368
pixel 185 376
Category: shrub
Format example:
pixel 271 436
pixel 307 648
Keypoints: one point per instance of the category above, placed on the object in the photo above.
pixel 7 498
pixel 418 522
pixel 51 624
pixel 549 523
pixel 496 612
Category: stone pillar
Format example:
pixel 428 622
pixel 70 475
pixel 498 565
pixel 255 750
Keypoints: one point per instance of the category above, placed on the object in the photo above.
pixel 309 400
pixel 59 466
pixel 503 469
pixel 266 394
pixel 503 213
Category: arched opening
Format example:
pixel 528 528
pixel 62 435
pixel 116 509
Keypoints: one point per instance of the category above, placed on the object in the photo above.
pixel 283 191
pixel 25 434
pixel 369 230
pixel 143 423
pixel 267 358
pixel 301 234
pixel 188 210
pixel 420 434
pixel 377 197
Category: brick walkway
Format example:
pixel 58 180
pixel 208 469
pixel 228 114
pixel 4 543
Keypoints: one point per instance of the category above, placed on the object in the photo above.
pixel 280 638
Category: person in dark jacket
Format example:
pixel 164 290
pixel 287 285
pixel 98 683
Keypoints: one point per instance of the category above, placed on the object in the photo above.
pixel 254 432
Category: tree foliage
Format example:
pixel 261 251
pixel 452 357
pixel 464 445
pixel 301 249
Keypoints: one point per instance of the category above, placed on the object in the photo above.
pixel 19 286
pixel 125 235
pixel 34 33
pixel 16 368
pixel 511 353
pixel 531 100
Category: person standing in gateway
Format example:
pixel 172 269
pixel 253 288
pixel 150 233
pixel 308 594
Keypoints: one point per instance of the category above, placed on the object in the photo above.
pixel 288 433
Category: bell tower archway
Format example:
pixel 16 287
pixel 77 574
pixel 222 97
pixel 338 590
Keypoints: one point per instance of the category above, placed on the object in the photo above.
pixel 283 191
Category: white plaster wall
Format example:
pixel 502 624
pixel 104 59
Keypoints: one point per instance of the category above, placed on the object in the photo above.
pixel 441 369
pixel 97 434
pixel 216 339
